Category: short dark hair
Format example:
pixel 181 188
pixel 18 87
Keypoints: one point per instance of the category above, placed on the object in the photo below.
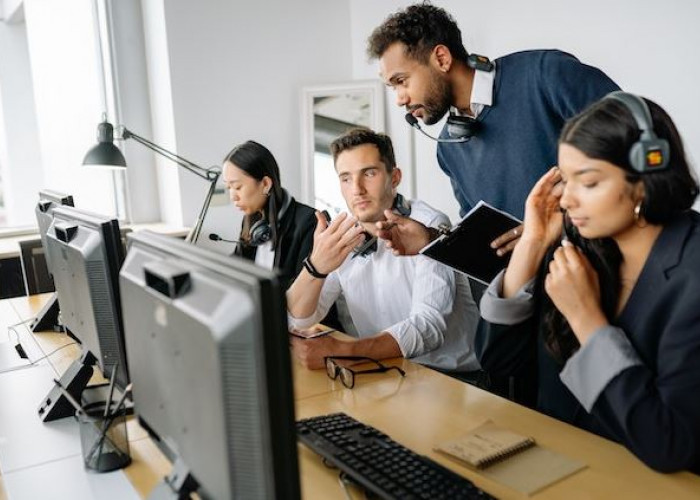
pixel 420 28
pixel 359 136
pixel 607 130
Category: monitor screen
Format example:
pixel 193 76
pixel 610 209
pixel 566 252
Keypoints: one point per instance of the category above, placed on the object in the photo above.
pixel 86 253
pixel 208 352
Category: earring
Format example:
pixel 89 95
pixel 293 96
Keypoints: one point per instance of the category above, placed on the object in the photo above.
pixel 638 215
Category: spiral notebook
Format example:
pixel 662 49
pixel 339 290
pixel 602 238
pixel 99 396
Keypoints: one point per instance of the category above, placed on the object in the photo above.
pixel 486 445
pixel 510 458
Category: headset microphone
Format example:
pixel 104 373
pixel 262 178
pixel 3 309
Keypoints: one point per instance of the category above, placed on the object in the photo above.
pixel 216 237
pixel 460 136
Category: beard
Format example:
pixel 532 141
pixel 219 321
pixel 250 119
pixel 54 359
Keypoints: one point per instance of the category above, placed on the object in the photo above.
pixel 438 99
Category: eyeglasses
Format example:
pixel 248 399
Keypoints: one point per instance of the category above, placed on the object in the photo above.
pixel 347 375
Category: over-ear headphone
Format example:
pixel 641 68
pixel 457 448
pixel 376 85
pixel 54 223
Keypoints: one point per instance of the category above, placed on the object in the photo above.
pixel 650 153
pixel 261 231
pixel 402 207
pixel 462 127
pixel 482 63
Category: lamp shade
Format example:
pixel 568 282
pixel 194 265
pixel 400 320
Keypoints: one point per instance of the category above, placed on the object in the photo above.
pixel 105 153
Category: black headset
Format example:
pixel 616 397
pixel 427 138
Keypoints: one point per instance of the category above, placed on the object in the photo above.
pixel 649 153
pixel 459 128
pixel 402 207
pixel 261 231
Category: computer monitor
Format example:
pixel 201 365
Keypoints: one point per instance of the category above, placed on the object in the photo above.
pixel 86 253
pixel 208 353
pixel 47 317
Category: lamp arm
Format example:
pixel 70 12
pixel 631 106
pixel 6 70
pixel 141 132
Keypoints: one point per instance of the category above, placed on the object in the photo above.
pixel 213 177
pixel 204 173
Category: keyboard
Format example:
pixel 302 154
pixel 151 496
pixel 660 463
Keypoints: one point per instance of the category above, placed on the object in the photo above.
pixel 379 464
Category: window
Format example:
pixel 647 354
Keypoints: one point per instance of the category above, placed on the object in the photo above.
pixel 55 85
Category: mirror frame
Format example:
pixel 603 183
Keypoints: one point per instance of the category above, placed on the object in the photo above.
pixel 375 88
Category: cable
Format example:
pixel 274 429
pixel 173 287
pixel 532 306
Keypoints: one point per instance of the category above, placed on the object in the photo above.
pixel 46 356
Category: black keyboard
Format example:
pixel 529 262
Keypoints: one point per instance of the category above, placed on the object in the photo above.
pixel 379 464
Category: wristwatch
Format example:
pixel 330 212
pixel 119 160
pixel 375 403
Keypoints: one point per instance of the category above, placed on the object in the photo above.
pixel 440 230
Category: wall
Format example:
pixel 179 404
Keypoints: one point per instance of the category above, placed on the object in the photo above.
pixel 236 71
pixel 646 46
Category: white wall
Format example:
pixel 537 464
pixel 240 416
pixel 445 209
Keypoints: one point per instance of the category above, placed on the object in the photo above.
pixel 646 46
pixel 236 70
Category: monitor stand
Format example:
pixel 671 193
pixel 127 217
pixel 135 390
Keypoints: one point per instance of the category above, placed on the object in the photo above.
pixel 47 318
pixel 179 485
pixel 55 405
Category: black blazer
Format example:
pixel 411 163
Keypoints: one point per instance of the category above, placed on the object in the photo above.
pixel 294 243
pixel 653 409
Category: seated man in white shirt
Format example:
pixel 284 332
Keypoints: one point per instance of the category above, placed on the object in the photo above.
pixel 399 306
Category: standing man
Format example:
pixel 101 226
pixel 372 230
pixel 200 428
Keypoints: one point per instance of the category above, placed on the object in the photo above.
pixel 505 115
pixel 413 306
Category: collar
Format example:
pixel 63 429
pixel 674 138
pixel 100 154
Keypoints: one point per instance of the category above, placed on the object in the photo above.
pixel 482 91
pixel 668 248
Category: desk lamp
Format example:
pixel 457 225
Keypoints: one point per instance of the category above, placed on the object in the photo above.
pixel 106 154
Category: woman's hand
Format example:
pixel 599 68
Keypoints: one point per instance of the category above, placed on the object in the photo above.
pixel 542 227
pixel 543 216
pixel 573 286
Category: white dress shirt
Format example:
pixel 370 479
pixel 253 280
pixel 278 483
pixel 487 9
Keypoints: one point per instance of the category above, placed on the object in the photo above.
pixel 482 91
pixel 424 305
pixel 265 255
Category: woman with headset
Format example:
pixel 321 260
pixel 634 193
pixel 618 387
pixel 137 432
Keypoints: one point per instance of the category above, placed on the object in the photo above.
pixel 277 231
pixel 606 322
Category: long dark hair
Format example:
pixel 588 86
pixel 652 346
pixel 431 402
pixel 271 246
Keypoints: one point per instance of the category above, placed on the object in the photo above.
pixel 606 131
pixel 257 161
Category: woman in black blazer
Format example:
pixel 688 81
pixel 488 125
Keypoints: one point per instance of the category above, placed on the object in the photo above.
pixel 277 231
pixel 606 322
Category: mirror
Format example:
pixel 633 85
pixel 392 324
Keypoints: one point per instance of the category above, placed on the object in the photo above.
pixel 327 112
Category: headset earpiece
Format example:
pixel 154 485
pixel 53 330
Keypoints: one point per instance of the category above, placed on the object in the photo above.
pixel 261 231
pixel 482 63
pixel 462 127
pixel 401 206
pixel 649 153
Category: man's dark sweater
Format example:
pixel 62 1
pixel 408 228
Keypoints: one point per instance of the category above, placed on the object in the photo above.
pixel 535 92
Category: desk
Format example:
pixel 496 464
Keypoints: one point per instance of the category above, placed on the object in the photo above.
pixel 419 410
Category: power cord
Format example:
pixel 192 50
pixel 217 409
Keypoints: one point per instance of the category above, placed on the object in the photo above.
pixel 23 353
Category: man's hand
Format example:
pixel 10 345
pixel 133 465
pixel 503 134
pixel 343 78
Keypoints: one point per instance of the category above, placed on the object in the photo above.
pixel 333 242
pixel 403 235
pixel 506 242
pixel 310 352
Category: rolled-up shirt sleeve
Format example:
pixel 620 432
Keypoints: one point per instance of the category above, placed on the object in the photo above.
pixel 329 293
pixel 606 354
pixel 431 302
pixel 511 311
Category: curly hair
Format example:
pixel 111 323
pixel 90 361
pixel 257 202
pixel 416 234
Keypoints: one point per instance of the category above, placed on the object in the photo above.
pixel 419 28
